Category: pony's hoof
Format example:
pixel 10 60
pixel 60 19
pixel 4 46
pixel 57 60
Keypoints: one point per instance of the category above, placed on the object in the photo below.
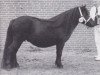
pixel 9 67
pixel 17 66
pixel 60 66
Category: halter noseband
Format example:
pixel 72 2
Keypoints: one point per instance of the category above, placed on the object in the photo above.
pixel 81 19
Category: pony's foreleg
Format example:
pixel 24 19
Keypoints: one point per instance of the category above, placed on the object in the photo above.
pixel 9 59
pixel 59 48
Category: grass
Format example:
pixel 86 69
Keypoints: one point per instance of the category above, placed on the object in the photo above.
pixel 42 63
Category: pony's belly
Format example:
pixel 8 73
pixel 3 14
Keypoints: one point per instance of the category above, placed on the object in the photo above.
pixel 43 42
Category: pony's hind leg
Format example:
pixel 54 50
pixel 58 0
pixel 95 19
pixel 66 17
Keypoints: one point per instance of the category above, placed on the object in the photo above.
pixel 9 58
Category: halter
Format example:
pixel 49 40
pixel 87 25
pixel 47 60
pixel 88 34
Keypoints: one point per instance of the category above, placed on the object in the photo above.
pixel 81 19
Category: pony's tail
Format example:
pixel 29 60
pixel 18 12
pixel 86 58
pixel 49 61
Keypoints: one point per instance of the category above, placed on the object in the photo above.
pixel 9 40
pixel 9 37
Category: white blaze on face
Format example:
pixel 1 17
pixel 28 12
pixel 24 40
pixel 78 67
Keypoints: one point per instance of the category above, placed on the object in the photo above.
pixel 93 12
pixel 98 10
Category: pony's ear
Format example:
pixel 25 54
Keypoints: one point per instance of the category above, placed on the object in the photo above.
pixel 84 6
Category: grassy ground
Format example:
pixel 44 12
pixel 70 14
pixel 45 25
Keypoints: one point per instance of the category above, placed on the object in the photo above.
pixel 35 61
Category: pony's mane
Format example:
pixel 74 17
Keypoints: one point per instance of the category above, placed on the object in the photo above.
pixel 67 13
pixel 63 14
pixel 67 17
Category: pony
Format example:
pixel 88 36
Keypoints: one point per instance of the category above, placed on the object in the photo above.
pixel 43 33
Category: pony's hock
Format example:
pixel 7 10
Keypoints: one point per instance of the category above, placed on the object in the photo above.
pixel 42 33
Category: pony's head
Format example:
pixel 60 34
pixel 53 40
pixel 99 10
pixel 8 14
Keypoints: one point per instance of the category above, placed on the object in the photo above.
pixel 85 17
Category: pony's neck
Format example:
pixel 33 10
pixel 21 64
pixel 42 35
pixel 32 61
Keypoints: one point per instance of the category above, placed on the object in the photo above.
pixel 72 20
pixel 74 16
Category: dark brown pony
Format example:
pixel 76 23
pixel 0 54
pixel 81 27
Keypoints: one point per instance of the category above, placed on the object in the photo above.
pixel 43 33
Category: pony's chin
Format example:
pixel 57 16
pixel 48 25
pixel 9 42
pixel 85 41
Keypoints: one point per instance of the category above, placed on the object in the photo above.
pixel 91 24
